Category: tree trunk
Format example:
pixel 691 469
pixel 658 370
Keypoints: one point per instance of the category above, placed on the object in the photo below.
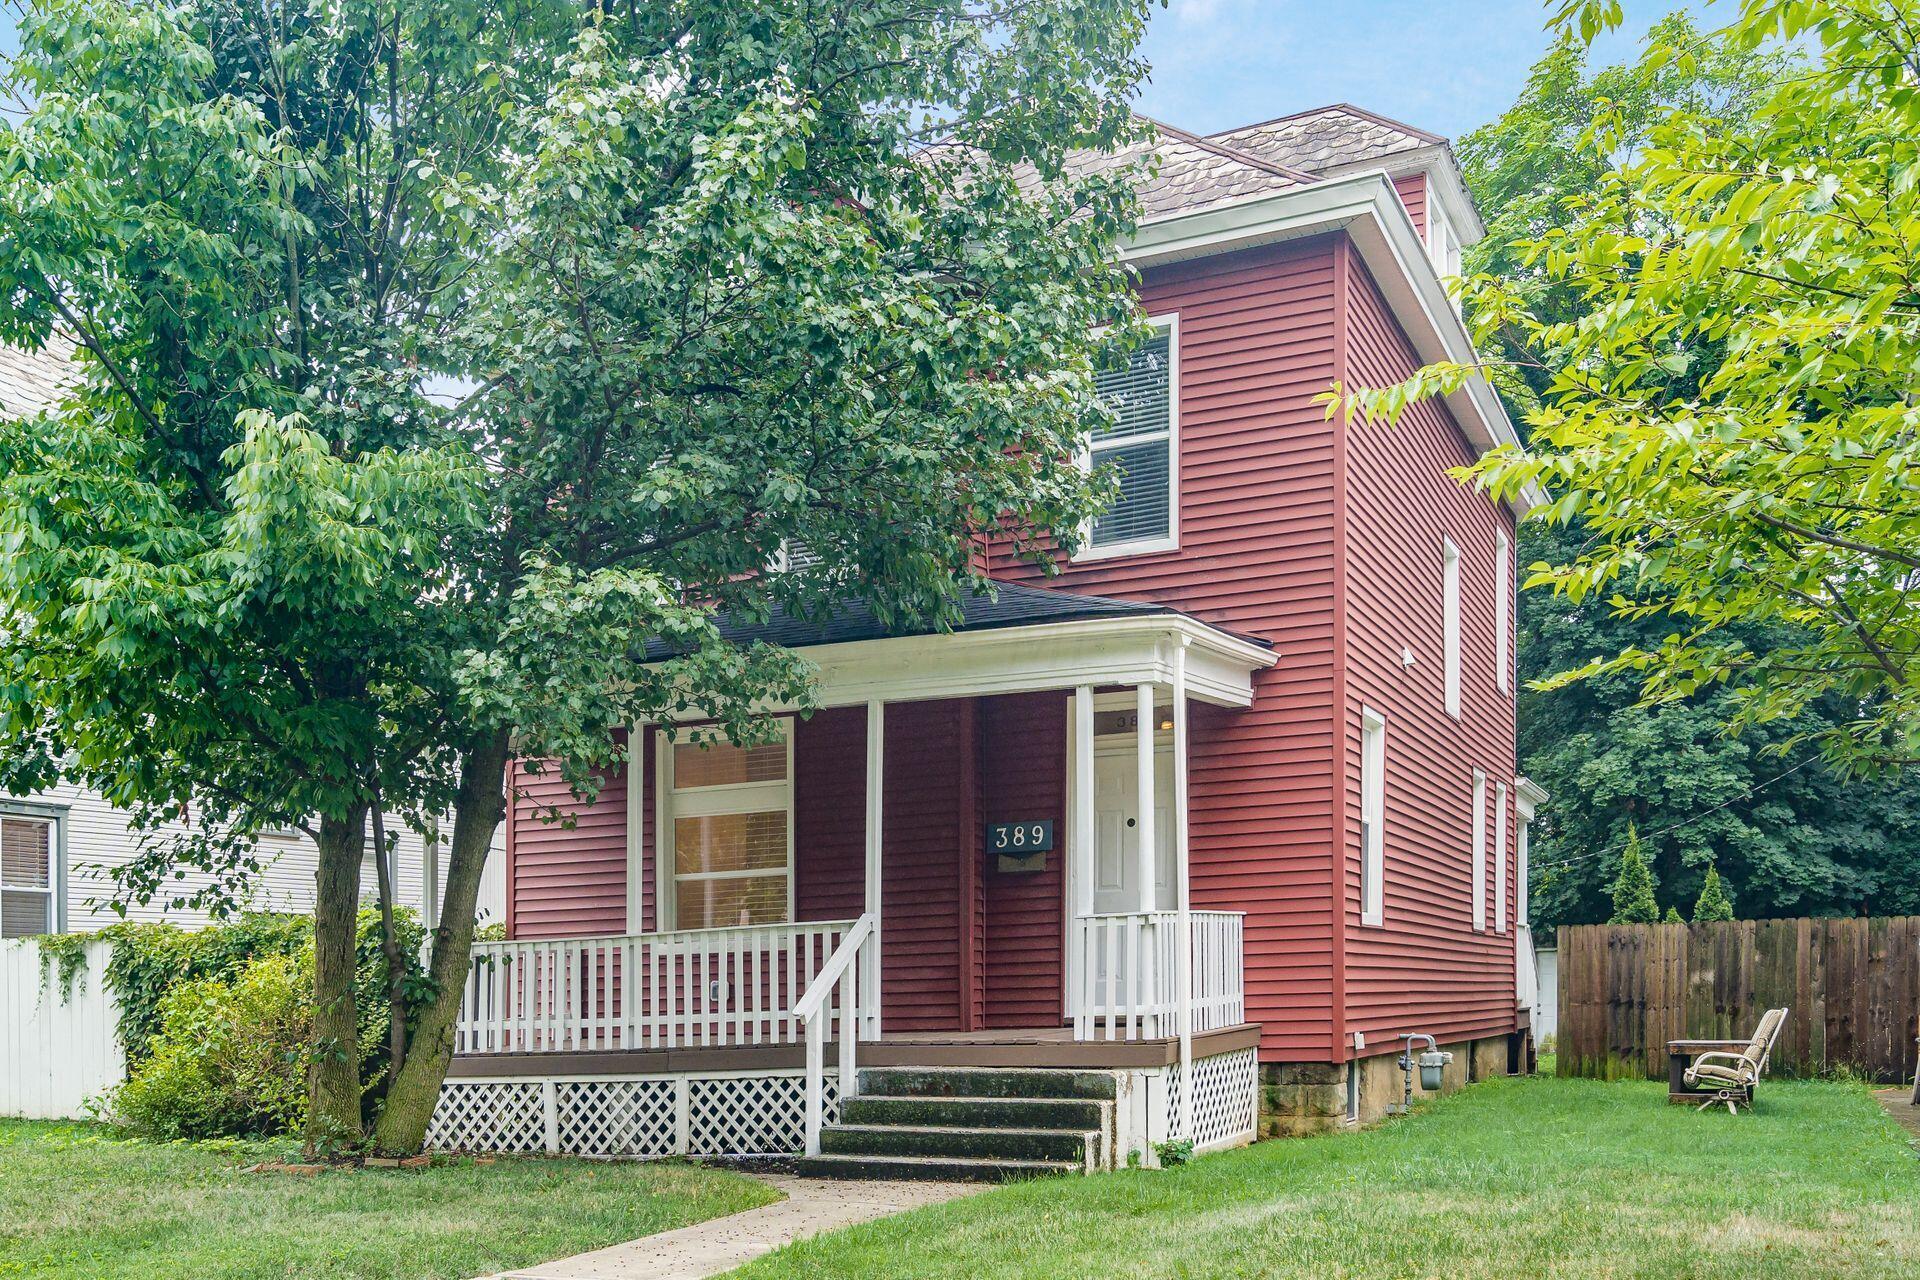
pixel 333 1076
pixel 402 1126
pixel 390 946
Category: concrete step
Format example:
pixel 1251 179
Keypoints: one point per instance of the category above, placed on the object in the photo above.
pixel 976 1113
pixel 1082 1149
pixel 987 1082
pixel 931 1169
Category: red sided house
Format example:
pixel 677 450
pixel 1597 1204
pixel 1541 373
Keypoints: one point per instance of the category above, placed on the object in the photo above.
pixel 1183 844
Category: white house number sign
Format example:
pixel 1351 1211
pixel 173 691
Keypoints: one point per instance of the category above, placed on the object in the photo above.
pixel 1019 844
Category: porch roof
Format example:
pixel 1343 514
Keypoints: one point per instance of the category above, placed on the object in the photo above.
pixel 1012 605
pixel 1018 639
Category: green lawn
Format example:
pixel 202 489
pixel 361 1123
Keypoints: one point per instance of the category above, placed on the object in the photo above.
pixel 1508 1180
pixel 77 1203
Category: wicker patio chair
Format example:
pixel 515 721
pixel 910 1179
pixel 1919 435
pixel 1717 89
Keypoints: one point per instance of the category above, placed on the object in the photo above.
pixel 1732 1076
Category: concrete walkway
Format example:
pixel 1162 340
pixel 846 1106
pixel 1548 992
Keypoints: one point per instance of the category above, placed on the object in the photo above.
pixel 709 1248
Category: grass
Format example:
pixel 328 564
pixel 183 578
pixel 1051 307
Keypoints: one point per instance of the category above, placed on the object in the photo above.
pixel 79 1203
pixel 1534 1177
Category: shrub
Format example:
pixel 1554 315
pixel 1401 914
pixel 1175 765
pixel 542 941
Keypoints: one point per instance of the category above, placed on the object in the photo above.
pixel 230 1057
pixel 1633 901
pixel 1714 903
pixel 177 988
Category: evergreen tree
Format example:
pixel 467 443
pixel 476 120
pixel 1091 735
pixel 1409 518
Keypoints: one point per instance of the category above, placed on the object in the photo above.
pixel 1633 901
pixel 1714 904
pixel 1672 916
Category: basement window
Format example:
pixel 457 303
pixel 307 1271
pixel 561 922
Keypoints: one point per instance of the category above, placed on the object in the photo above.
pixel 1142 446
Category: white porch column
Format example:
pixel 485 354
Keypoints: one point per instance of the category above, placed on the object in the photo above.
pixel 876 754
pixel 1182 891
pixel 1080 854
pixel 1143 756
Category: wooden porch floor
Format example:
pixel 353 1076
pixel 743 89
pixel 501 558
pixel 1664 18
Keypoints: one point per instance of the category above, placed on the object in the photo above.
pixel 1018 1047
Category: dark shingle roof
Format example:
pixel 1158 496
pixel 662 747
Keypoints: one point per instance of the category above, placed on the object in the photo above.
pixel 1327 138
pixel 1013 605
pixel 30 380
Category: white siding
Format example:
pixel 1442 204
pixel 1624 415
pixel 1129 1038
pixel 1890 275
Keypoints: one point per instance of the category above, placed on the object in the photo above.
pixel 97 839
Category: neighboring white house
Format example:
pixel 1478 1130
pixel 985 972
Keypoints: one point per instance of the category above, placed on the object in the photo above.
pixel 58 848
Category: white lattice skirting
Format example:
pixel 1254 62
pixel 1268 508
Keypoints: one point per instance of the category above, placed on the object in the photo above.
pixel 1226 1099
pixel 631 1116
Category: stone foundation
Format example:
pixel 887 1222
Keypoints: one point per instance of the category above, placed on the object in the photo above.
pixel 1311 1097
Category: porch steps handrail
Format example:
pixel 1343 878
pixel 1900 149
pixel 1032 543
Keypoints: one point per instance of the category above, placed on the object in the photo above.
pixel 685 989
pixel 1128 978
pixel 841 970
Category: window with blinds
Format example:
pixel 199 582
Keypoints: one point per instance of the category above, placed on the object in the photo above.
pixel 28 877
pixel 1139 444
pixel 729 815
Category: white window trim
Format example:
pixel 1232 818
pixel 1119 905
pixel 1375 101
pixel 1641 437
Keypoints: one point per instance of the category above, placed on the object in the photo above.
pixel 1479 851
pixel 1439 223
pixel 1450 622
pixel 1373 790
pixel 1171 542
pixel 56 891
pixel 1502 610
pixel 733 797
pixel 1500 857
pixel 1521 839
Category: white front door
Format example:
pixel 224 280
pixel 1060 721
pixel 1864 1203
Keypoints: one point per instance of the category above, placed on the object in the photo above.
pixel 1116 824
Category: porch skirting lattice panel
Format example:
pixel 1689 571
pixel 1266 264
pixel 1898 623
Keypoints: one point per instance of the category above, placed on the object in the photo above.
pixel 635 1117
pixel 1226 1099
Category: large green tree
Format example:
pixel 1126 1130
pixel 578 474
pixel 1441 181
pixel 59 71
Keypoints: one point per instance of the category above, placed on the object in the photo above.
pixel 436 357
pixel 1612 334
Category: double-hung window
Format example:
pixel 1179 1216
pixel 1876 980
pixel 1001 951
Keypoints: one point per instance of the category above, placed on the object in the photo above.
pixel 727 832
pixel 1141 443
pixel 1479 850
pixel 1450 622
pixel 1373 770
pixel 1502 610
pixel 1500 858
pixel 29 876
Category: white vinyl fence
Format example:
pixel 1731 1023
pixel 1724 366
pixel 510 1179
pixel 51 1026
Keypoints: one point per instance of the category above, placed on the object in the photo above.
pixel 57 1048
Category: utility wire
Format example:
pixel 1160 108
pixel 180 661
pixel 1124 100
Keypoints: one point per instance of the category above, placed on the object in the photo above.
pixel 1751 792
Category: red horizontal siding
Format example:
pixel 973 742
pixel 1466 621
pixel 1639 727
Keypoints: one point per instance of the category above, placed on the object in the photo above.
pixel 1427 969
pixel 1023 768
pixel 1257 344
pixel 1412 188
pixel 566 859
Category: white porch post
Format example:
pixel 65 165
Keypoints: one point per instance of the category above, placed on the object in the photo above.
pixel 1183 891
pixel 876 755
pixel 1080 853
pixel 1143 757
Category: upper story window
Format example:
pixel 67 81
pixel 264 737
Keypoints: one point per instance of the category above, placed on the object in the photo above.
pixel 1443 242
pixel 1142 444
pixel 1450 622
pixel 728 832
pixel 1502 610
pixel 29 876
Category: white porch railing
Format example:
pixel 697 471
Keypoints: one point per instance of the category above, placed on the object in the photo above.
pixel 1129 981
pixel 700 987
pixel 814 1011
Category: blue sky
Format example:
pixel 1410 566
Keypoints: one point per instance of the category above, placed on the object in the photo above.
pixel 1444 67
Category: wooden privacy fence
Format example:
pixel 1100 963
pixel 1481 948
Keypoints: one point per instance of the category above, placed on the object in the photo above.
pixel 1853 986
